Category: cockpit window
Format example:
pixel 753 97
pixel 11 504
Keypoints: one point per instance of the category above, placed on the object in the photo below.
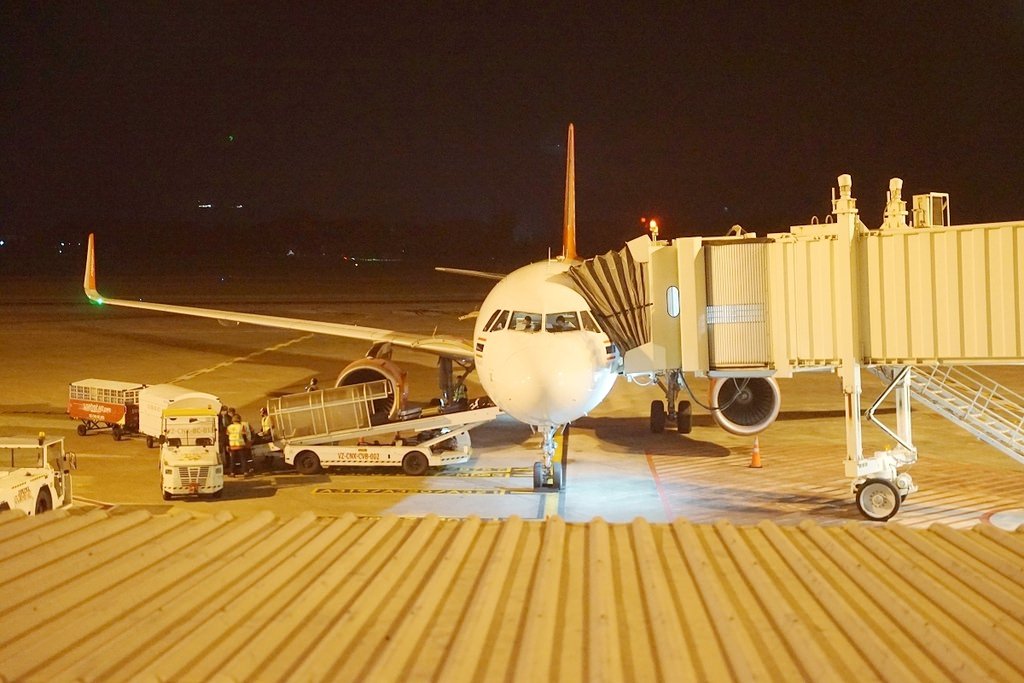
pixel 526 322
pixel 566 321
pixel 498 321
pixel 589 324
pixel 490 321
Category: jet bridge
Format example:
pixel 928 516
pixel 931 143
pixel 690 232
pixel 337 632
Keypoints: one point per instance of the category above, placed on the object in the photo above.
pixel 915 303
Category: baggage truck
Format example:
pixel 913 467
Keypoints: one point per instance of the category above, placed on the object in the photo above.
pixel 190 462
pixel 155 398
pixel 104 404
pixel 35 474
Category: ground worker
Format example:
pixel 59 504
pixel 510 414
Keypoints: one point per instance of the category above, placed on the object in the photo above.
pixel 223 421
pixel 264 435
pixel 237 445
pixel 312 386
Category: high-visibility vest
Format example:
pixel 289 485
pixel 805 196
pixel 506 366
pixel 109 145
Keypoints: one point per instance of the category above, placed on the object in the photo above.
pixel 236 435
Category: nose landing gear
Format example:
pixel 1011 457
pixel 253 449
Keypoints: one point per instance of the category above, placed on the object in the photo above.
pixel 549 475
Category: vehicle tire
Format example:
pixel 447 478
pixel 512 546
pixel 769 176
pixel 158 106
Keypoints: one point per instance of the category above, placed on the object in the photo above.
pixel 538 476
pixel 82 430
pixel 657 417
pixel 43 501
pixel 878 499
pixel 415 464
pixel 556 476
pixel 307 462
pixel 218 494
pixel 149 442
pixel 167 495
pixel 684 418
pixel 116 431
pixel 4 507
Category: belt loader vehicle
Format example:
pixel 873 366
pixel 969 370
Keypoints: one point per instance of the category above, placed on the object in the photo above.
pixel 35 474
pixel 333 428
pixel 190 463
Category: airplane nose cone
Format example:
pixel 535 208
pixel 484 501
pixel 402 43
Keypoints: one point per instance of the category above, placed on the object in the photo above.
pixel 545 389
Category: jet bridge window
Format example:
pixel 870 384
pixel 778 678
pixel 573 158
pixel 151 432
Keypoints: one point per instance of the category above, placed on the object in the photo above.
pixel 525 321
pixel 497 321
pixel 672 301
pixel 567 321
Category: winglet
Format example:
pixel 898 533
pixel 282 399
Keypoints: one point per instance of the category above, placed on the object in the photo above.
pixel 569 222
pixel 89 284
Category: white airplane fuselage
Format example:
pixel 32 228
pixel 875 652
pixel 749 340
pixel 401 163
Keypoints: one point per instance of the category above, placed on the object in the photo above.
pixel 539 353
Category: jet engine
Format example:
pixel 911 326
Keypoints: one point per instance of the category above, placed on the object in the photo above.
pixel 748 404
pixel 371 370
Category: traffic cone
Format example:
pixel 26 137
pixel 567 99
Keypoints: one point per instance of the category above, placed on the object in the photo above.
pixel 755 457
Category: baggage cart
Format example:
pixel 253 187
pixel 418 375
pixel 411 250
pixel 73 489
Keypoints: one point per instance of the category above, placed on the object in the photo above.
pixel 104 404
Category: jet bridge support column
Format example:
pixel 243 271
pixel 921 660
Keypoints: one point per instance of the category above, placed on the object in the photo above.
pixel 877 485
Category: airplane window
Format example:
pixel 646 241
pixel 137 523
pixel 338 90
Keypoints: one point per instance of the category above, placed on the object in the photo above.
pixel 562 322
pixel 490 321
pixel 499 324
pixel 673 301
pixel 589 324
pixel 526 322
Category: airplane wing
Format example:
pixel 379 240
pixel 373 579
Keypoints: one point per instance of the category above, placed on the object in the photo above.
pixel 471 273
pixel 449 347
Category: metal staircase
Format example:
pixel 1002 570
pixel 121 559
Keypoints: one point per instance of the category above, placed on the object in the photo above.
pixel 971 400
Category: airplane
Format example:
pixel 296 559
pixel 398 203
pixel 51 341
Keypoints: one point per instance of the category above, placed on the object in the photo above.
pixel 538 349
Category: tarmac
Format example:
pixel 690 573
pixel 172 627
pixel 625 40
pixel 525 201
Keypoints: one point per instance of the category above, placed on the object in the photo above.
pixel 617 470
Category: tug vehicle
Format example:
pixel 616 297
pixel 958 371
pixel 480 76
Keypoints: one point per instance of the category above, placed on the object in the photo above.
pixel 35 474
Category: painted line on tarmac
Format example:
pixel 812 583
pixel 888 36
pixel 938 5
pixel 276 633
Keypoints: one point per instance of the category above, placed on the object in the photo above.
pixel 552 503
pixel 90 501
pixel 240 359
pixel 470 472
pixel 658 487
pixel 478 492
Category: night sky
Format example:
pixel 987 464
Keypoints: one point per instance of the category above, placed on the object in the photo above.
pixel 703 114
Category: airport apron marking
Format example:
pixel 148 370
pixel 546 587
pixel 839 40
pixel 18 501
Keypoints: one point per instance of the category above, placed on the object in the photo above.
pixel 471 472
pixel 240 359
pixel 492 492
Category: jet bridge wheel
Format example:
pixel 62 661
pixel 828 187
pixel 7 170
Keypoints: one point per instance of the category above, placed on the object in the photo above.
pixel 878 499
pixel 657 417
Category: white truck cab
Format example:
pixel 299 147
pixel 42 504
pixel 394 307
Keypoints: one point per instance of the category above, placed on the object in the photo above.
pixel 35 474
pixel 190 462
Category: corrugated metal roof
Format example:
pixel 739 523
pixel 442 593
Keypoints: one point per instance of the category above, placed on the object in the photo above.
pixel 101 596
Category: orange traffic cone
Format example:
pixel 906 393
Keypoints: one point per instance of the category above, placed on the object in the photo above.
pixel 755 457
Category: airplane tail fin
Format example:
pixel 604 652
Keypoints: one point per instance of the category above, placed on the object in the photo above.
pixel 569 217
pixel 89 284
